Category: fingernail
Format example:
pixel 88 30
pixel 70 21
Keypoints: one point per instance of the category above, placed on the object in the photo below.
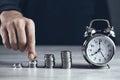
pixel 31 56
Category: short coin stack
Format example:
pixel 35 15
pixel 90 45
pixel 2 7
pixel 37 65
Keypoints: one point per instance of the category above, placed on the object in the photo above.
pixel 49 60
pixel 32 64
pixel 17 65
pixel 66 59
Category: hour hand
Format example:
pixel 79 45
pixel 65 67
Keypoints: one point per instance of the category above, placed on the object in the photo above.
pixel 95 52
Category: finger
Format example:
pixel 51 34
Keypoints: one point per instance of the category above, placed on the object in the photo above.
pixel 21 34
pixel 12 36
pixel 30 32
pixel 5 39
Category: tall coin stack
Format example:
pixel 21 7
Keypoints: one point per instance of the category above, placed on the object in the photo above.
pixel 49 60
pixel 66 59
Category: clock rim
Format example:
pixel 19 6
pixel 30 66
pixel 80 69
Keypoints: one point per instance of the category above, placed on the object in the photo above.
pixel 85 45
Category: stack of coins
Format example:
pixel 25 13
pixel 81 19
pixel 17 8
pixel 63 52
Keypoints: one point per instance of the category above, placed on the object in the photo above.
pixel 33 64
pixel 49 60
pixel 66 59
pixel 17 65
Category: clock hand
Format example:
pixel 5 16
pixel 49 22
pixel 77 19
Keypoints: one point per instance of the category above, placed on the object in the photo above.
pixel 99 43
pixel 103 55
pixel 96 52
pixel 98 49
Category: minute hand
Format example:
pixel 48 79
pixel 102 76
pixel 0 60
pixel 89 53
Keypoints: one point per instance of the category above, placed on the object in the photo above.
pixel 102 55
pixel 99 44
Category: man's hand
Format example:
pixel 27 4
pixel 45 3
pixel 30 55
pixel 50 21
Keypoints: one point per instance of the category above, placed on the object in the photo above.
pixel 18 32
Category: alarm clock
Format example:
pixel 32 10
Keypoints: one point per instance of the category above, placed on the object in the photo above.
pixel 99 47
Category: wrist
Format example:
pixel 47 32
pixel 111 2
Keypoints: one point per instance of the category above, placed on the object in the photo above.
pixel 11 11
pixel 11 14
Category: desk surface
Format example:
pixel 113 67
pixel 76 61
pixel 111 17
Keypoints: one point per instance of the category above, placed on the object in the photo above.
pixel 80 70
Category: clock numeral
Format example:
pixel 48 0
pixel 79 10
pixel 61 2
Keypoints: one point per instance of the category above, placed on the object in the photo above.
pixel 96 41
pixel 105 41
pixel 94 58
pixel 110 50
pixel 92 45
pixel 90 49
pixel 108 55
pixel 99 60
pixel 108 45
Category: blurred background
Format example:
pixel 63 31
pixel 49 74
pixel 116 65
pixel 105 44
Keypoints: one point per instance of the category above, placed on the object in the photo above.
pixel 114 9
pixel 108 9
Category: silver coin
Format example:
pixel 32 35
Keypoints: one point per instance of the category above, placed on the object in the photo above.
pixel 66 59
pixel 49 64
pixel 49 57
pixel 49 60
pixel 33 64
pixel 66 65
pixel 17 65
pixel 65 54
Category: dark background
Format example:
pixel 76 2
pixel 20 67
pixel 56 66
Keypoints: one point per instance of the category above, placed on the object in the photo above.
pixel 114 8
pixel 114 13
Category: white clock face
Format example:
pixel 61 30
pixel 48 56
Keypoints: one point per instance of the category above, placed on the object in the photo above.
pixel 100 50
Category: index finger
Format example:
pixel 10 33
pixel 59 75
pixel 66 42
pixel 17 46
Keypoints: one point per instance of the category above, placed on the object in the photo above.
pixel 30 34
